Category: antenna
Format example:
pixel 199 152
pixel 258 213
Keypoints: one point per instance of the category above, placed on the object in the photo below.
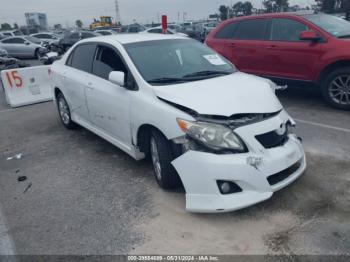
pixel 117 14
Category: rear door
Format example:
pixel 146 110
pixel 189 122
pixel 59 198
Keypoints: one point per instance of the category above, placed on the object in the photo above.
pixel 241 42
pixel 287 56
pixel 248 40
pixel 76 77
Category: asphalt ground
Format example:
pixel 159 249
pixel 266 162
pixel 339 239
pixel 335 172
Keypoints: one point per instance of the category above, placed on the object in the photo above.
pixel 84 196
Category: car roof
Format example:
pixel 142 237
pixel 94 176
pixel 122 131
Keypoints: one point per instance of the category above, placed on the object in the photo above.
pixel 274 15
pixel 132 38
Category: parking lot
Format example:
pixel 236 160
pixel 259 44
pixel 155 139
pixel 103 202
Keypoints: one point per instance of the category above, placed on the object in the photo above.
pixel 84 196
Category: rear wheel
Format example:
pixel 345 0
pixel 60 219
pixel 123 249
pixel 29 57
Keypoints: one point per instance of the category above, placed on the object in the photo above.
pixel 162 155
pixel 336 88
pixel 64 112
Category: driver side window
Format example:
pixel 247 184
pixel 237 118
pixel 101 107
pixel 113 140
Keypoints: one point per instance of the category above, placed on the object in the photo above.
pixel 106 61
pixel 288 30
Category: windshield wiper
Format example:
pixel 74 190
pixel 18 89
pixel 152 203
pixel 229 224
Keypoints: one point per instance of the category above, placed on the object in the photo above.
pixel 207 73
pixel 164 80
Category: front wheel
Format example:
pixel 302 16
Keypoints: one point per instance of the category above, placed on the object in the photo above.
pixel 162 155
pixel 336 88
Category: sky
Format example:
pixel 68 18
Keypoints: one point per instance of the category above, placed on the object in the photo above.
pixel 66 12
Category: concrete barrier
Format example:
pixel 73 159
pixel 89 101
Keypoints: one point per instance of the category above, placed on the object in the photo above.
pixel 26 86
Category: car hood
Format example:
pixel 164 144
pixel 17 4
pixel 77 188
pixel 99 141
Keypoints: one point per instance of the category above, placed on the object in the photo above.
pixel 238 93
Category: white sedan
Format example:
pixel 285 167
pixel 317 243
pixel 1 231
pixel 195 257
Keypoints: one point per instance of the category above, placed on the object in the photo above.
pixel 221 133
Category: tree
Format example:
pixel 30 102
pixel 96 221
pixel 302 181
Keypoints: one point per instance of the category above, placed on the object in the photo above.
pixel 273 6
pixel 79 23
pixel 223 12
pixel 15 26
pixel 57 26
pixel 237 9
pixel 247 8
pixel 327 6
pixel 240 8
pixel 345 6
pixel 6 26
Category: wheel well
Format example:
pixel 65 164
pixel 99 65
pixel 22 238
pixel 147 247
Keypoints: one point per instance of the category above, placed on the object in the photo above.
pixel 332 67
pixel 57 91
pixel 143 137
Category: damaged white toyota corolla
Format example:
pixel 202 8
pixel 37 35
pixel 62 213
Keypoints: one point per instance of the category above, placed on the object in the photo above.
pixel 221 133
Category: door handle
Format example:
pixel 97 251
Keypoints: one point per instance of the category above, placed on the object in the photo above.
pixel 271 47
pixel 232 44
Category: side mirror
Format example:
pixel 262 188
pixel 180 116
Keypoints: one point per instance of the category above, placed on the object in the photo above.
pixel 309 36
pixel 117 77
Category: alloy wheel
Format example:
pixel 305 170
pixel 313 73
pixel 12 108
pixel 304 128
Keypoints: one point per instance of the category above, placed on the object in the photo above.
pixel 64 111
pixel 339 90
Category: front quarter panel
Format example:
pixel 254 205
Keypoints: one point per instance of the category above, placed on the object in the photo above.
pixel 147 109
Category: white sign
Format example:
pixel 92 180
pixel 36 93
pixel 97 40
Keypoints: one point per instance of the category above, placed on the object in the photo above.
pixel 25 86
pixel 215 60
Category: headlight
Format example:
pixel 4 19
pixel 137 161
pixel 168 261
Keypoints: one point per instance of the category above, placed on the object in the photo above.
pixel 214 136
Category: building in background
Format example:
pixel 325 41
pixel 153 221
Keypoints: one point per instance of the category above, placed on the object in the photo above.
pixel 36 20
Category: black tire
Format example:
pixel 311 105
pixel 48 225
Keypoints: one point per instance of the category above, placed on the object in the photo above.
pixel 167 177
pixel 36 54
pixel 341 101
pixel 64 114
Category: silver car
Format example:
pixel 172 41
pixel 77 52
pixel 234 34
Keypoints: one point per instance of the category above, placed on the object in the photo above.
pixel 22 46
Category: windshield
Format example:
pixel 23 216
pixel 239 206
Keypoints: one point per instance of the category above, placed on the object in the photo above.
pixel 33 39
pixel 177 60
pixel 336 26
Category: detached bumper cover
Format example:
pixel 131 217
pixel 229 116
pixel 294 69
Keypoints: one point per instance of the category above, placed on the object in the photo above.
pixel 199 171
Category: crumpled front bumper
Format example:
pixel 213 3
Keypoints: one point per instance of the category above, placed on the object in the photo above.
pixel 199 171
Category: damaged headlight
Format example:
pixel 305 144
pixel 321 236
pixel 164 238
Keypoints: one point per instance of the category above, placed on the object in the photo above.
pixel 213 136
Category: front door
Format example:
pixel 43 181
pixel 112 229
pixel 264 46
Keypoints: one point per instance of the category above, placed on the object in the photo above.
pixel 108 103
pixel 287 56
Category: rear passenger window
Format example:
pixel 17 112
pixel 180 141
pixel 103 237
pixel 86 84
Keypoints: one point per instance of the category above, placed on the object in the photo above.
pixel 286 30
pixel 106 61
pixel 252 29
pixel 82 57
pixel 227 32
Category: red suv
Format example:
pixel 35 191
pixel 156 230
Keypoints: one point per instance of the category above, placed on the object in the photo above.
pixel 310 48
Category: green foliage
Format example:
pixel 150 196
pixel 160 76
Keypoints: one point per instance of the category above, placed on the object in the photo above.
pixel 5 26
pixel 242 8
pixel 79 23
pixel 223 12
pixel 276 5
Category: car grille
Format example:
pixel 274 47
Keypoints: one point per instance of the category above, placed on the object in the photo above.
pixel 284 174
pixel 272 139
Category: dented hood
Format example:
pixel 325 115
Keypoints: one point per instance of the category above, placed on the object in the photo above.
pixel 237 93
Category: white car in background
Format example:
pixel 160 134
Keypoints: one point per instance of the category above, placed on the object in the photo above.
pixel 11 33
pixel 105 32
pixel 22 46
pixel 159 30
pixel 49 38
pixel 221 133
